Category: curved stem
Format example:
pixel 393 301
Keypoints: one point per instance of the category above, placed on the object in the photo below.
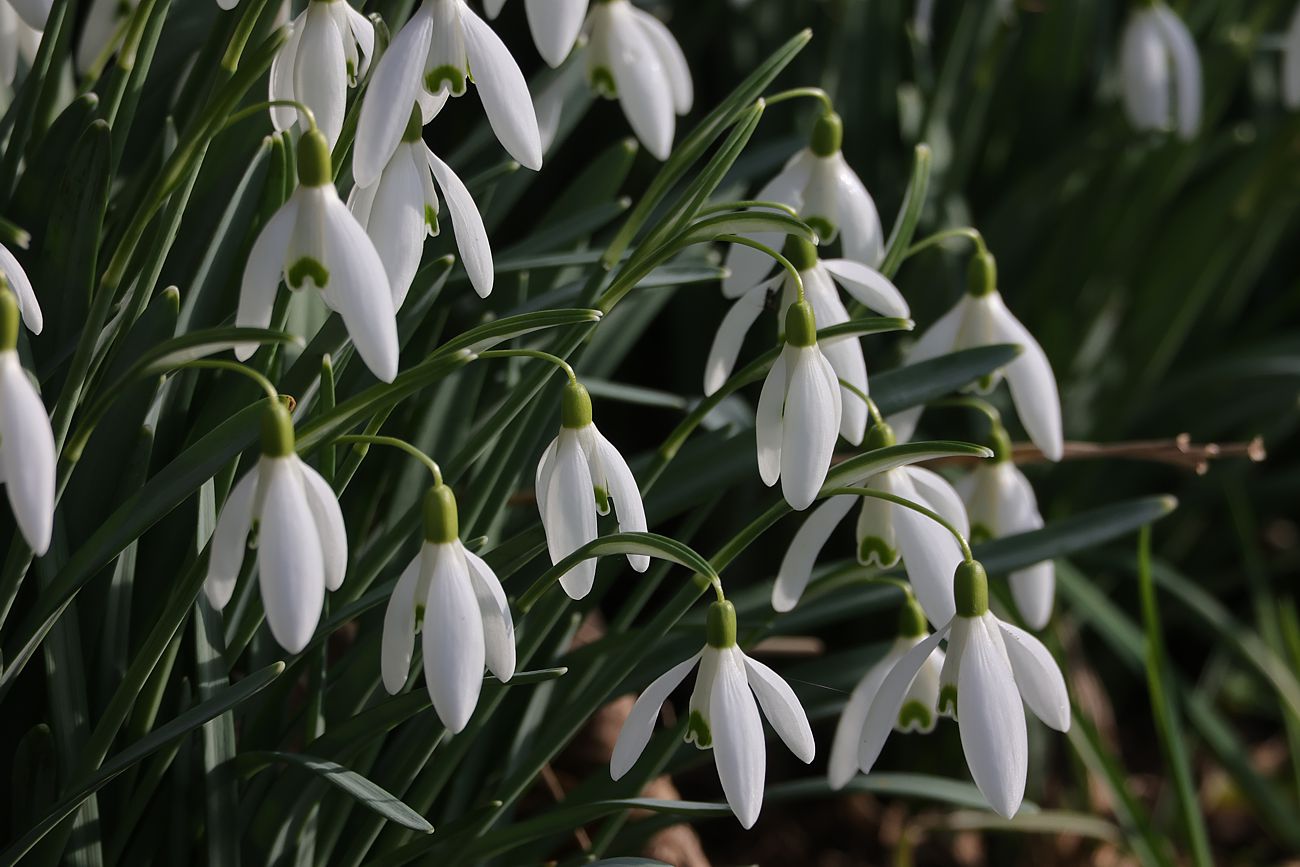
pixel 259 107
pixel 743 204
pixel 937 238
pixel 531 353
pixel 394 442
pixel 915 507
pixel 763 248
pixel 800 93
pixel 233 367
pixel 978 404
pixel 872 410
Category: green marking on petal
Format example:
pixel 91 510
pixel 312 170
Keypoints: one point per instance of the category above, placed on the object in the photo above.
pixel 697 731
pixel 431 218
pixel 915 716
pixel 602 81
pixel 454 78
pixel 602 500
pixel 874 549
pixel 980 533
pixel 305 269
pixel 948 700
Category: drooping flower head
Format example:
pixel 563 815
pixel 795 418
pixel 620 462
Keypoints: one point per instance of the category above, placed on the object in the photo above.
pixel 25 296
pixel 454 599
pixel 723 715
pixel 26 439
pixel 555 25
pixel 314 240
pixel 1160 72
pixel 302 543
pixel 578 477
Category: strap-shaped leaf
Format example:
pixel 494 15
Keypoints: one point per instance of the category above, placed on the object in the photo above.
pixel 364 791
pixel 925 381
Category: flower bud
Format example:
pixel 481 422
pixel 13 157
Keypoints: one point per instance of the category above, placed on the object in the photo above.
pixel 880 436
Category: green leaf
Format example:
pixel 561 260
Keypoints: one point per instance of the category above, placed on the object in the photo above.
pixel 909 213
pixel 741 223
pixel 920 383
pixel 922 786
pixel 358 788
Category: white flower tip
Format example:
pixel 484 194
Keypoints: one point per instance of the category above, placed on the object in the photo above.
pixel 800 497
pixel 748 814
pixel 244 351
pixel 782 599
pixel 639 562
pixel 392 682
pixel 1006 804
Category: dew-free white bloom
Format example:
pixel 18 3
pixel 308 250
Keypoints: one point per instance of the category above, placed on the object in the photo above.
pixel 328 49
pixel 25 296
pixel 555 25
pixel 918 712
pixel 723 715
pixel 981 318
pixel 429 61
pixel 302 544
pixel 579 474
pixel 400 209
pixel 1160 72
pixel 798 414
pixel 818 183
pixel 314 239
pixel 19 38
pixel 455 600
pixel 819 278
pixel 633 57
pixel 886 533
pixel 27 459
pixel 989 669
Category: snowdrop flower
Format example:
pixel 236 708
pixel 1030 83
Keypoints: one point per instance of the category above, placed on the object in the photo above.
pixel 819 184
pixel 456 601
pixel 555 25
pixel 819 279
pixel 886 533
pixel 302 545
pixel 989 668
pixel 1002 503
pixel 634 58
pixel 428 61
pixel 25 296
pixel 918 712
pixel 314 239
pixel 1160 71
pixel 402 207
pixel 19 36
pixel 723 715
pixel 27 458
pixel 328 49
pixel 981 318
pixel 798 413
pixel 578 475
pixel 1291 62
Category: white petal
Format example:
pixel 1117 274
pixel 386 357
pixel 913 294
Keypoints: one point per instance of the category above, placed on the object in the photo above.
pixel 767 420
pixel 1291 63
pixel 930 553
pixel 570 517
pixel 492 8
pixel 22 287
pixel 939 339
pixel 33 12
pixel 746 266
pixel 471 236
pixel 230 541
pixel 801 557
pixel 1034 589
pixel 992 721
pixel 811 424
pixel 738 748
pixel 871 288
pixel 1145 73
pixel 731 335
pixel 555 25
pixel 671 57
pixel 498 625
pixel 395 222
pixel 361 202
pixel 640 722
pixel 1033 387
pixel 262 273
pixel 843 353
pixel 320 76
pixel 290 569
pixel 889 699
pixel 398 639
pixel 936 493
pixel 452 639
pixel 363 32
pixel 782 708
pixel 1187 70
pixel 625 493
pixel 843 763
pixel 26 453
pixel 359 286
pixel 280 84
pixel 329 525
pixel 641 80
pixel 861 235
pixel 1038 677
pixel 501 86
pixel 542 482
pixel 390 97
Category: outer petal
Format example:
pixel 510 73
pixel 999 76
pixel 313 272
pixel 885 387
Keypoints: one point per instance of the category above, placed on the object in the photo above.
pixel 640 723
pixel 843 353
pixel 555 25
pixel 861 235
pixel 230 541
pixel 929 553
pixel 745 265
pixel 1034 589
pixel 738 748
pixel 570 517
pixel 868 286
pixel 767 420
pixel 498 625
pixel 364 34
pixel 33 12
pixel 390 96
pixel 731 335
pixel 938 339
pixel 1145 74
pixel 320 75
pixel 22 287
pixel 542 482
pixel 671 57
pixel 26 453
pixel 801 556
pixel 991 720
pixel 395 222
pixel 359 285
pixel 504 92
pixel 1038 677
pixel 471 236
pixel 623 489
pixel 280 86
pixel 1033 387
pixel 398 640
pixel 329 525
pixel 453 639
pixel 262 273
pixel 1187 70
pixel 290 569
pixel 843 762
pixel 939 495
pixel 889 699
pixel 642 82
pixel 781 707
pixel 811 425
pixel 492 8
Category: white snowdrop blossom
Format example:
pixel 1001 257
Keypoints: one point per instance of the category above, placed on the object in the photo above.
pixel 918 712
pixel 818 183
pixel 991 667
pixel 1160 72
pixel 579 474
pixel 27 458
pixel 819 279
pixel 886 533
pixel 302 544
pixel 634 58
pixel 1001 502
pixel 981 318
pixel 20 35
pixel 329 47
pixel 724 716
pixel 798 414
pixel 1291 62
pixel 25 296
pixel 314 239
pixel 555 25
pixel 401 209
pixel 456 602
pixel 429 61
